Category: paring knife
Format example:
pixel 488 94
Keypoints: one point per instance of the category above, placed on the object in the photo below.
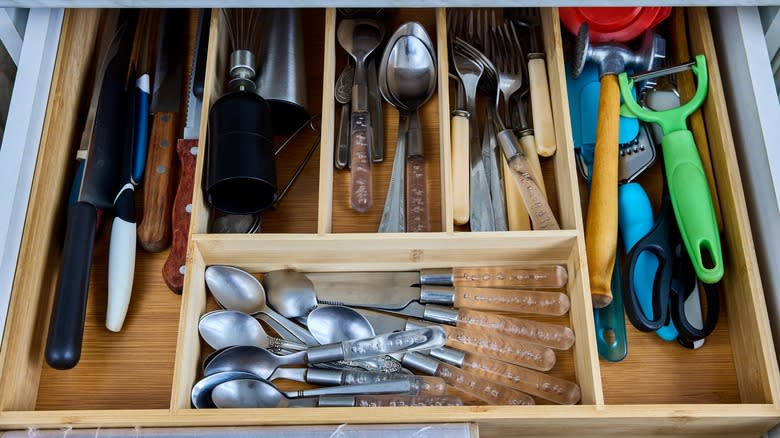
pixel 333 288
pixel 140 63
pixel 98 188
pixel 187 150
pixel 121 256
pixel 505 348
pixel 154 231
pixel 491 392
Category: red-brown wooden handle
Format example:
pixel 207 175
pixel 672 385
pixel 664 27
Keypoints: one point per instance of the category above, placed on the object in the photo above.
pixel 154 231
pixel 173 269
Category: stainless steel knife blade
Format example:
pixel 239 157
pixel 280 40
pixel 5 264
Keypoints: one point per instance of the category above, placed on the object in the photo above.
pixel 169 68
pixel 385 288
pixel 195 89
pixel 104 129
pixel 382 322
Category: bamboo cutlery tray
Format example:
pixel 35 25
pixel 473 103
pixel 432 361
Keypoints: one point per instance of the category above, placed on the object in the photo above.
pixel 143 375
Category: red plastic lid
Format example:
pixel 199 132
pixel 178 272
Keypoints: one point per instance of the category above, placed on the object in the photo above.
pixel 620 24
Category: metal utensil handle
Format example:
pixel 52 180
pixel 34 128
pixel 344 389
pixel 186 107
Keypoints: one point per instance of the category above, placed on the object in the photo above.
pixel 387 387
pixel 361 196
pixel 375 108
pixel 299 332
pixel 343 139
pixel 409 340
pixel 550 335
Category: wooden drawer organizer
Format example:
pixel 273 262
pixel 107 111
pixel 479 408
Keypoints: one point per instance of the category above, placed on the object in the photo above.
pixel 143 375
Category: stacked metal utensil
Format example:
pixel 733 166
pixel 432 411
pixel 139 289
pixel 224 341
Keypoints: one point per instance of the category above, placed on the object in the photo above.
pixel 370 345
pixel 488 58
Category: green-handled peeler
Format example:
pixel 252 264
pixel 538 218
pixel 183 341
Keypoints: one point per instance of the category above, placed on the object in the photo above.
pixel 685 178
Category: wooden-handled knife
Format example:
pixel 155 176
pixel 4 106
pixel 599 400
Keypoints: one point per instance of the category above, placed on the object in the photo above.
pixel 154 231
pixel 187 150
pixel 98 188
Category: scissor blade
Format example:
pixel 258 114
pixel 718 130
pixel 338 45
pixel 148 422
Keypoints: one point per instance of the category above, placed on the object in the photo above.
pixel 374 289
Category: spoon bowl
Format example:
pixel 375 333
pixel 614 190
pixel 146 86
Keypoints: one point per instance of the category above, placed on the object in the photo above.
pixel 290 292
pixel 227 328
pixel 248 393
pixel 236 289
pixel 202 390
pixel 329 324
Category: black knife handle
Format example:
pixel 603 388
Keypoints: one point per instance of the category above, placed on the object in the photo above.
pixel 66 329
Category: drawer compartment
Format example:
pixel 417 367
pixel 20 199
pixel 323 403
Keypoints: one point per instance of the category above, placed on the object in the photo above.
pixel 143 375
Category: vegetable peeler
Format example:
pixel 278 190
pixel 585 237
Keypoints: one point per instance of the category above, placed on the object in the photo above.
pixel 687 183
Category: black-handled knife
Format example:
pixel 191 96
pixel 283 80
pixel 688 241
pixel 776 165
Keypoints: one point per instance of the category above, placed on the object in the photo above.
pixel 98 188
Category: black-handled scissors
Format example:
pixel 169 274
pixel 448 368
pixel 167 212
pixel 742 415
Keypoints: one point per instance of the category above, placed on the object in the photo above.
pixel 674 281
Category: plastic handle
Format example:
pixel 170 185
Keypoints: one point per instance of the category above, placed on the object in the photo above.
pixel 534 200
pixel 516 213
pixel 342 142
pixel 460 167
pixel 420 385
pixel 66 329
pixel 553 276
pixel 528 146
pixel 635 219
pixel 486 390
pixel 402 401
pixel 541 107
pixel 601 224
pixel 417 215
pixel 531 382
pixel 692 204
pixel 409 340
pixel 512 300
pixel 154 231
pixel 610 322
pixel 549 335
pixel 387 387
pixel 142 128
pixel 173 269
pixel 121 259
pixel 361 195
pixel 505 348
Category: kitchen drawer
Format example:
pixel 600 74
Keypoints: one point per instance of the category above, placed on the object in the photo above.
pixel 142 376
